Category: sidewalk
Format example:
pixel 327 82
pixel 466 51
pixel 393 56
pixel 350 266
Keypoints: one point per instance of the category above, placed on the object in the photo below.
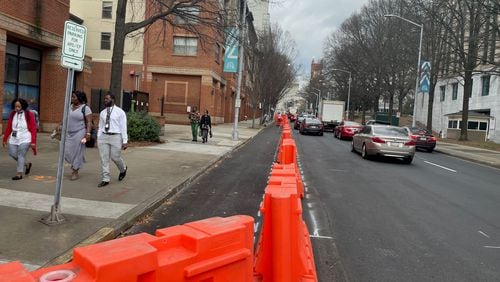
pixel 477 155
pixel 95 214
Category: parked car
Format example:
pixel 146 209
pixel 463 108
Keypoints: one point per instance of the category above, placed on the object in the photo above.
pixel 311 125
pixel 299 119
pixel 346 129
pixel 384 140
pixel 423 138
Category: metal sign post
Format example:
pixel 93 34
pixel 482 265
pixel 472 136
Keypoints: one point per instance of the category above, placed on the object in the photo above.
pixel 73 52
pixel 55 216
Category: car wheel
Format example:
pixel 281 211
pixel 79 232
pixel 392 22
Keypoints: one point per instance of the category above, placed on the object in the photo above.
pixel 352 147
pixel 430 150
pixel 321 134
pixel 407 160
pixel 364 153
pixel 340 135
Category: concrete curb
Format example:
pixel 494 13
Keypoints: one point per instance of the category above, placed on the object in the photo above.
pixel 147 206
pixel 474 160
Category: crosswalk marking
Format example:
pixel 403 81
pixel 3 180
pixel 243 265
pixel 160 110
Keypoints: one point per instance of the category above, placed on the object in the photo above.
pixel 42 202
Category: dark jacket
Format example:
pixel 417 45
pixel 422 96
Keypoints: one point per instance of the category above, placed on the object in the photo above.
pixel 205 119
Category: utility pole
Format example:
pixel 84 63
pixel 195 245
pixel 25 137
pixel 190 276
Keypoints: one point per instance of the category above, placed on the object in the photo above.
pixel 237 102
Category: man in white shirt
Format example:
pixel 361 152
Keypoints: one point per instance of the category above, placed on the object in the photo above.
pixel 112 138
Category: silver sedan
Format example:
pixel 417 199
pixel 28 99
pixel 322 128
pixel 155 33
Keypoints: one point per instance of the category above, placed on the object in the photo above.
pixel 384 140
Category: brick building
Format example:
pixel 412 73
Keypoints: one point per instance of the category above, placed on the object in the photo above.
pixel 30 48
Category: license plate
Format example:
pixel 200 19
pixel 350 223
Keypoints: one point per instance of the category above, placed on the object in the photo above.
pixel 394 144
pixel 313 126
pixel 422 139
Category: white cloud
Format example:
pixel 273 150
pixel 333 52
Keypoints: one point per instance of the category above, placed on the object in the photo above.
pixel 310 22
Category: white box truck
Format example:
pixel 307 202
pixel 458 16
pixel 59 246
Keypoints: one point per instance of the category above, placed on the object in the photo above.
pixel 331 113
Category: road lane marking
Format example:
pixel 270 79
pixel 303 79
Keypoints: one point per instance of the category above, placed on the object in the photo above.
pixel 440 166
pixel 321 237
pixel 492 247
pixel 42 202
pixel 484 234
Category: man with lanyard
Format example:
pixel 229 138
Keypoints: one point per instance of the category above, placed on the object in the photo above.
pixel 112 138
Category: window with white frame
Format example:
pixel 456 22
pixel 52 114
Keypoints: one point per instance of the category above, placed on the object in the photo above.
pixel 185 45
pixel 107 9
pixel 485 89
pixel 442 90
pixel 471 125
pixel 187 15
pixel 454 93
pixel 105 40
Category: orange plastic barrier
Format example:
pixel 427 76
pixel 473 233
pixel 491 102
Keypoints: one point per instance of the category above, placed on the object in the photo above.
pixel 284 250
pixel 214 249
pixel 289 170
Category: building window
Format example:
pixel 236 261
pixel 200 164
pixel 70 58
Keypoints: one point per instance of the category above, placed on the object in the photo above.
pixel 187 15
pixel 105 40
pixel 107 10
pixel 485 90
pixel 454 93
pixel 453 124
pixel 185 45
pixel 22 77
pixel 474 125
pixel 217 53
pixel 483 125
pixel 442 90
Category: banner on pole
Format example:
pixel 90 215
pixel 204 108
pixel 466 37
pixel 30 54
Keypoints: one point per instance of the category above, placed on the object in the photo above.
pixel 425 71
pixel 232 47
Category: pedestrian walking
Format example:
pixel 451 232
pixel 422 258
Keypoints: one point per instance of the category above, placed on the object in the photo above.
pixel 78 132
pixel 206 126
pixel 20 135
pixel 112 138
pixel 194 119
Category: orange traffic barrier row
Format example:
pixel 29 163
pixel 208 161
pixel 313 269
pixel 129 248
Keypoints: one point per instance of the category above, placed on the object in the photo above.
pixel 289 170
pixel 284 251
pixel 214 249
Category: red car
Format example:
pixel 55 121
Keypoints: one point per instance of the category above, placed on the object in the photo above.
pixel 346 129
pixel 423 137
pixel 311 125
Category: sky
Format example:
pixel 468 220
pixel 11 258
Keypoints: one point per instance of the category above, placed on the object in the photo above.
pixel 310 22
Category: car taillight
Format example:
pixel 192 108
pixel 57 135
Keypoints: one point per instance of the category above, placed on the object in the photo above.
pixel 378 140
pixel 410 143
pixel 433 139
pixel 414 137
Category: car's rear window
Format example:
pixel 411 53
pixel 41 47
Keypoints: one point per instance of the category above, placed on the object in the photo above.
pixel 419 131
pixel 312 121
pixel 351 123
pixel 390 131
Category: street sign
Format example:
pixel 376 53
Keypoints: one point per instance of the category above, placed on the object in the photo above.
pixel 71 63
pixel 231 54
pixel 424 84
pixel 74 40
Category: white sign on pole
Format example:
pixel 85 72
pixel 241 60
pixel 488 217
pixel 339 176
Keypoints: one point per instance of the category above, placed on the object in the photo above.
pixel 74 40
pixel 71 63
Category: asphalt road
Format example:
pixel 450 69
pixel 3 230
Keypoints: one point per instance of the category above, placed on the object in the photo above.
pixel 234 186
pixel 437 219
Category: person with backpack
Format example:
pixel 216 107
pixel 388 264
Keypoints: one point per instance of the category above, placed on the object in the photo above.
pixel 20 135
pixel 78 132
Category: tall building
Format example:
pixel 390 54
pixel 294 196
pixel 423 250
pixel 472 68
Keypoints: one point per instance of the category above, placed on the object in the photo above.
pixel 260 12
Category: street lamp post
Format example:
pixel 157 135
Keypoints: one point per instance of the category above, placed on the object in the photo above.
pixel 348 91
pixel 318 95
pixel 413 122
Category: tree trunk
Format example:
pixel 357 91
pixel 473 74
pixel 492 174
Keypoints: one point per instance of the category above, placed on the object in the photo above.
pixel 118 49
pixel 254 114
pixel 430 106
pixel 465 106
pixel 391 106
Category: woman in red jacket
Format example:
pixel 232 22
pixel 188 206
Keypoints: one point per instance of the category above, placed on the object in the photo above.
pixel 21 135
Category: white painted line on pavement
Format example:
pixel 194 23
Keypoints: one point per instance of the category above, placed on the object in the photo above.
pixel 320 237
pixel 42 202
pixel 484 234
pixel 440 166
pixel 28 266
pixel 492 247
